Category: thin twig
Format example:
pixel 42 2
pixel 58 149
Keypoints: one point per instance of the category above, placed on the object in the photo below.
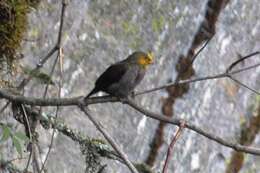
pixel 51 144
pixel 59 57
pixel 223 75
pixel 243 85
pixel 30 136
pixel 170 148
pixel 102 169
pixel 56 112
pixel 51 74
pixel 200 50
pixel 227 73
pixel 245 69
pixel 35 163
pixel 56 47
pixel 109 139
pixel 12 160
pixel 4 107
pixel 240 60
pixel 28 162
pixel 58 43
pixel 27 123
pixel 40 111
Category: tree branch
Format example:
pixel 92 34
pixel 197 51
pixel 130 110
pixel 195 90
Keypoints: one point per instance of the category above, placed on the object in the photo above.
pixel 109 139
pixel 103 149
pixel 76 101
pixel 226 74
pixel 175 121
pixel 170 148
pixel 193 127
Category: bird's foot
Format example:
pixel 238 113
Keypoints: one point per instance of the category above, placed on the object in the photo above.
pixel 132 95
pixel 123 99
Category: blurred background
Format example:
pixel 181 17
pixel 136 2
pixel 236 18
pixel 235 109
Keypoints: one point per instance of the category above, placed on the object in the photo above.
pixel 99 33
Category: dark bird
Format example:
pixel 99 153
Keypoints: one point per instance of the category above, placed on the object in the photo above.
pixel 121 78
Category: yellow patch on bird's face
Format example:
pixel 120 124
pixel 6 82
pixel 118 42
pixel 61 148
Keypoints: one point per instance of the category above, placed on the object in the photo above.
pixel 150 57
pixel 146 60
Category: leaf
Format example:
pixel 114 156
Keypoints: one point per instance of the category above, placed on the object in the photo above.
pixel 21 136
pixel 40 76
pixel 44 78
pixel 6 133
pixel 17 145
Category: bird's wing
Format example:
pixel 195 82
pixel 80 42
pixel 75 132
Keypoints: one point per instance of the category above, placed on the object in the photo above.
pixel 112 75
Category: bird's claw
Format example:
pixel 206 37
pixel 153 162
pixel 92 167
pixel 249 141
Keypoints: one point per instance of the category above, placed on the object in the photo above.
pixel 132 95
pixel 123 99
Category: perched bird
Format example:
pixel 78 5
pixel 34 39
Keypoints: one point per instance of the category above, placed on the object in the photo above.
pixel 121 78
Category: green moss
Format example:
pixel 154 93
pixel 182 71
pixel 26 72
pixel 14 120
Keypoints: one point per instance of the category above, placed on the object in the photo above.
pixel 130 28
pixel 13 24
pixel 158 23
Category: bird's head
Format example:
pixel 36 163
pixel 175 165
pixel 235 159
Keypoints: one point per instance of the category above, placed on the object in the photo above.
pixel 142 59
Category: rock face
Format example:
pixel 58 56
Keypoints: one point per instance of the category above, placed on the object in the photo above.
pixel 99 33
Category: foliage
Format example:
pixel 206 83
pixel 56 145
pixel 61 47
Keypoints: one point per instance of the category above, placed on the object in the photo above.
pixel 18 138
pixel 42 77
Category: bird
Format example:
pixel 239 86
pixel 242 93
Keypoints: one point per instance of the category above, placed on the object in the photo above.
pixel 121 78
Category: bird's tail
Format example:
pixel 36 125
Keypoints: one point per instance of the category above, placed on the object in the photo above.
pixel 91 93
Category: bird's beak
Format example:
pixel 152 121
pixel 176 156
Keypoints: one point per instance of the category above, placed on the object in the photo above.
pixel 150 57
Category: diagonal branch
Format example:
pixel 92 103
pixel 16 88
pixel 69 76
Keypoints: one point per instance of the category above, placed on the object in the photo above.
pixel 27 124
pixel 109 139
pixel 244 85
pixel 57 109
pixel 170 148
pixel 189 125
